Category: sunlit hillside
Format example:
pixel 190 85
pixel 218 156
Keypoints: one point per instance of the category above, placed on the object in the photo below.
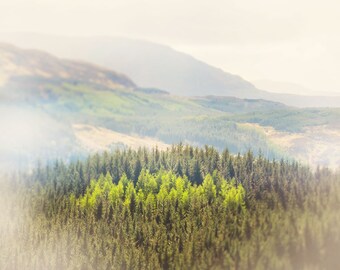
pixel 47 97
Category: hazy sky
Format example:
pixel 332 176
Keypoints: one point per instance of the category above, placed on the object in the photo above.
pixel 296 41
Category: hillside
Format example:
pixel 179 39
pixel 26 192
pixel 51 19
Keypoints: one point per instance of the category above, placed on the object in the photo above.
pixel 17 63
pixel 182 208
pixel 158 66
pixel 70 94
pixel 148 64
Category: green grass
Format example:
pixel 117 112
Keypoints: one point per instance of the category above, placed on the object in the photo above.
pixel 199 121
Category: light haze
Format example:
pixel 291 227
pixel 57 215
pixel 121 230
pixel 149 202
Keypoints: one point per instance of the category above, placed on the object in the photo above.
pixel 290 42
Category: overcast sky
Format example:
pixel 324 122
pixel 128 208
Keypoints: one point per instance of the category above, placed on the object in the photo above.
pixel 295 41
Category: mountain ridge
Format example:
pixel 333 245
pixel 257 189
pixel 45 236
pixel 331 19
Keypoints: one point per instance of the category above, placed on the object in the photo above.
pixel 152 65
pixel 31 62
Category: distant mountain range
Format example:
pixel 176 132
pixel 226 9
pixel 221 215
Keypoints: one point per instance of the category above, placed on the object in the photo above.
pixel 52 108
pixel 152 65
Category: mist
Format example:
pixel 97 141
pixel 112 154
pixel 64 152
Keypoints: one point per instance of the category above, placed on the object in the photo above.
pixel 287 41
pixel 169 134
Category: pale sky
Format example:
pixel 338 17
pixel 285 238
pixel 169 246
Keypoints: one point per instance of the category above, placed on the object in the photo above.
pixel 295 41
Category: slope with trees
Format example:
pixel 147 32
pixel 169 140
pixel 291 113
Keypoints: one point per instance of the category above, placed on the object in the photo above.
pixel 188 208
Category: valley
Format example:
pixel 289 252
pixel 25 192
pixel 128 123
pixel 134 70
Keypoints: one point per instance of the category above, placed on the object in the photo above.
pixel 70 94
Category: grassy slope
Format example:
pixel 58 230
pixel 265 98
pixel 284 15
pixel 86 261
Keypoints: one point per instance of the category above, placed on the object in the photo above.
pixel 173 119
pixel 168 118
pixel 77 93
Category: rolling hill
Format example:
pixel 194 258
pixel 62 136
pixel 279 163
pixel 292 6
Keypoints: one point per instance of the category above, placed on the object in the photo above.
pixel 45 99
pixel 153 65
pixel 32 63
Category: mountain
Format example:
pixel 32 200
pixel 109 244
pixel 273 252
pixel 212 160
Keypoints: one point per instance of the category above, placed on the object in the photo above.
pixel 149 64
pixel 20 63
pixel 153 65
pixel 51 106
